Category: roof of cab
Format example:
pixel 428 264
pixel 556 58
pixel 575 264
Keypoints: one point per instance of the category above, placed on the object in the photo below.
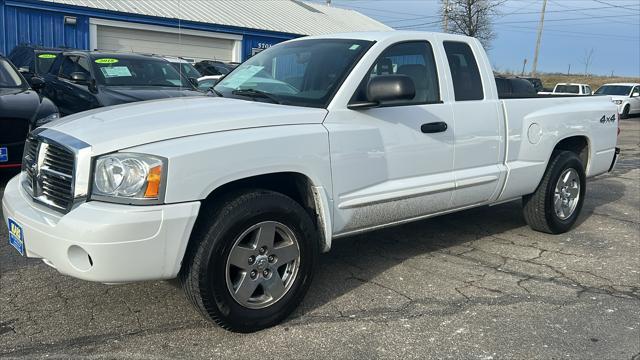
pixel 384 35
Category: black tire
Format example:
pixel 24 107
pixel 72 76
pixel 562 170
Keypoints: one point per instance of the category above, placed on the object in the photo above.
pixel 538 208
pixel 625 112
pixel 203 276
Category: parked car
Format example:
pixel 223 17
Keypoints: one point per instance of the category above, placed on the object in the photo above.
pixel 21 109
pixel 569 89
pixel 83 80
pixel 238 194
pixel 183 66
pixel 625 95
pixel 514 87
pixel 214 67
pixel 33 60
pixel 537 83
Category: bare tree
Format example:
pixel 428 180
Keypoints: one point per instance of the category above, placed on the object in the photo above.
pixel 586 60
pixel 471 17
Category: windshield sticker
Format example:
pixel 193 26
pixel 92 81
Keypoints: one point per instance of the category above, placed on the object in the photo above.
pixel 47 56
pixel 115 71
pixel 241 76
pixel 354 47
pixel 106 61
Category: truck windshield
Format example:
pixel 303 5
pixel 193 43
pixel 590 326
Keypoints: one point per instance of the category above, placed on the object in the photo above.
pixel 126 71
pixel 570 89
pixel 9 78
pixel 301 73
pixel 620 90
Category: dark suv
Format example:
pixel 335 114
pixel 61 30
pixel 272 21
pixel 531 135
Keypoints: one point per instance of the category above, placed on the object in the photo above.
pixel 214 67
pixel 21 109
pixel 83 80
pixel 536 82
pixel 33 60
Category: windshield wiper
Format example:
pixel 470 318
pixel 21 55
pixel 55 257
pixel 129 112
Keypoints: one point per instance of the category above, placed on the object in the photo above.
pixel 218 93
pixel 255 94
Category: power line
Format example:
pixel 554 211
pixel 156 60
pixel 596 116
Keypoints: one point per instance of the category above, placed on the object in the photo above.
pixel 566 19
pixel 612 5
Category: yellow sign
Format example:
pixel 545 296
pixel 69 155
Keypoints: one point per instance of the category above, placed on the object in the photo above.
pixel 106 61
pixel 47 56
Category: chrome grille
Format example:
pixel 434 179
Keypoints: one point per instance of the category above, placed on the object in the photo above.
pixel 49 173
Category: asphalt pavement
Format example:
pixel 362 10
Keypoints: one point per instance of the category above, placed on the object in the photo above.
pixel 478 284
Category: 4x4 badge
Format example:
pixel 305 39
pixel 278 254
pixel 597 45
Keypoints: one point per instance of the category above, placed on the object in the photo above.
pixel 604 119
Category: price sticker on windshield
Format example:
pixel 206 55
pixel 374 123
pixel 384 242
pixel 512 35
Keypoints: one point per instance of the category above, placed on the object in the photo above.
pixel 241 76
pixel 47 56
pixel 115 71
pixel 106 61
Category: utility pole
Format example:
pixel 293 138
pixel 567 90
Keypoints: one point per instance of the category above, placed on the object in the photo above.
pixel 535 56
pixel 445 23
pixel 569 71
pixel 524 63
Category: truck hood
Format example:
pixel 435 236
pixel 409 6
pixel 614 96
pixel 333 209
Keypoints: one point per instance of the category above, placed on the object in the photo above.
pixel 119 127
pixel 111 95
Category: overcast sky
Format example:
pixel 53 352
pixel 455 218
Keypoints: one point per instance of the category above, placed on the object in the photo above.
pixel 610 27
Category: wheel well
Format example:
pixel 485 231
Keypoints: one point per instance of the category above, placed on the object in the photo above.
pixel 295 185
pixel 576 144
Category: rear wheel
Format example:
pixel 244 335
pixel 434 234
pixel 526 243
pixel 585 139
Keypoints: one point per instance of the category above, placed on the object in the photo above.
pixel 252 260
pixel 555 205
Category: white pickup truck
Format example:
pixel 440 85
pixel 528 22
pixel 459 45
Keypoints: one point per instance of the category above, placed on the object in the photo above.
pixel 311 140
pixel 569 89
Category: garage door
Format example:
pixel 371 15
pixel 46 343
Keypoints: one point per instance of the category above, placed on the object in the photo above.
pixel 156 42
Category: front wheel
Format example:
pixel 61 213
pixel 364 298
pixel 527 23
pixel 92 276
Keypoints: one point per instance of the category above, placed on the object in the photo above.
pixel 625 112
pixel 252 260
pixel 555 205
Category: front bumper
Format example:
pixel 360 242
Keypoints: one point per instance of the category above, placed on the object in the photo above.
pixel 103 242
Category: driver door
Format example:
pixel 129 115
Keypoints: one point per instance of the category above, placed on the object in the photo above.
pixel 386 168
pixel 74 97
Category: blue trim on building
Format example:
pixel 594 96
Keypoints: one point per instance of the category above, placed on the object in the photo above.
pixel 42 23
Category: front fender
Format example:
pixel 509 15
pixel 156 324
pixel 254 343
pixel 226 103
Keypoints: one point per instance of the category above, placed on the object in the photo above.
pixel 200 164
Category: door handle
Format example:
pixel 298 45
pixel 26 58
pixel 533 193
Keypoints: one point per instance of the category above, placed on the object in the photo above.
pixel 434 127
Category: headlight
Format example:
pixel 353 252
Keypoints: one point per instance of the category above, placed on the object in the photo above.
pixel 129 178
pixel 47 119
pixel 618 102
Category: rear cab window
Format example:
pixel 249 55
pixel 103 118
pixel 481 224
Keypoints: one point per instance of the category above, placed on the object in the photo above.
pixel 467 82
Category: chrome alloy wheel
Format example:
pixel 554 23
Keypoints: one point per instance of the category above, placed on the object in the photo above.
pixel 262 264
pixel 567 193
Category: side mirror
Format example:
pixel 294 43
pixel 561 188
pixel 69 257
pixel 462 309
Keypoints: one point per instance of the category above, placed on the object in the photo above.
pixel 37 83
pixel 193 81
pixel 24 70
pixel 635 94
pixel 79 78
pixel 387 88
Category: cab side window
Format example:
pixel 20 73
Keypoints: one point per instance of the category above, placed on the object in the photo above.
pixel 467 83
pixel 413 59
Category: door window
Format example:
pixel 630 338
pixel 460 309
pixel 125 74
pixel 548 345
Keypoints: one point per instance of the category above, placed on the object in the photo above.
pixel 413 59
pixel 72 64
pixel 467 83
